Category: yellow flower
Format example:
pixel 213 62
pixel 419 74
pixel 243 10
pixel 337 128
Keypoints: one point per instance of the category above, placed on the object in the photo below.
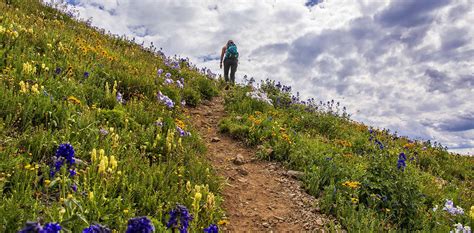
pixel 28 166
pixel 74 100
pixel 210 201
pixel 28 68
pixel 47 182
pixel 91 196
pixel 101 154
pixel 351 184
pixel 23 87
pixel 471 213
pixel 125 211
pixel 354 200
pixel 2 29
pixel 223 222
pixel 113 162
pixel 34 89
pixel 102 167
pixel 69 196
pixel 94 155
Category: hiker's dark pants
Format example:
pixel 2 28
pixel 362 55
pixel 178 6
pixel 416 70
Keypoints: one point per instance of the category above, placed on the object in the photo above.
pixel 230 63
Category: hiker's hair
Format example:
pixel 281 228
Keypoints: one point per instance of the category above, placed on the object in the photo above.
pixel 230 42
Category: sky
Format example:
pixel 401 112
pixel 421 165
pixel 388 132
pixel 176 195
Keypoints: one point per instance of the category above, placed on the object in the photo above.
pixel 405 65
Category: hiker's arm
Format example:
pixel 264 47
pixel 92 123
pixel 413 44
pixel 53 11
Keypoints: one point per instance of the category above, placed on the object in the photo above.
pixel 222 55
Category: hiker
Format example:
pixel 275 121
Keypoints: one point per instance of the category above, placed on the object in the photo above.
pixel 230 60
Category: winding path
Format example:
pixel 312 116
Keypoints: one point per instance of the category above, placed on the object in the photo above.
pixel 259 196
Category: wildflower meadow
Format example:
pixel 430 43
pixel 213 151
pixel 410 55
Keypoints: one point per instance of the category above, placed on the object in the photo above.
pixel 95 137
pixel 93 131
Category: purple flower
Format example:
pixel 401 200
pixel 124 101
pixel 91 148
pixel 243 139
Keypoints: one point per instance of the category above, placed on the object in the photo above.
pixel 86 74
pixel 182 133
pixel 180 213
pixel 211 229
pixel 168 75
pixel 169 81
pixel 35 227
pixel 58 70
pixel 97 228
pixel 449 207
pixel 140 225
pixel 72 172
pixel 74 187
pixel 67 151
pixel 165 99
pixel 120 98
pixel 103 131
pixel 159 72
pixel 180 85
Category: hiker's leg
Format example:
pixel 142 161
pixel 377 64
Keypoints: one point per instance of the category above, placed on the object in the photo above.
pixel 233 69
pixel 226 70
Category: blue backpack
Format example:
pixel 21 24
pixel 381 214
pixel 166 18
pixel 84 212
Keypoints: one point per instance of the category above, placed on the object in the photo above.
pixel 231 52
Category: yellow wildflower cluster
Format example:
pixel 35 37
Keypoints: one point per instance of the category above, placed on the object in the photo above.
pixel 85 48
pixel 28 68
pixel 471 212
pixel 286 138
pixel 351 184
pixel 180 123
pixel 106 163
pixel 409 145
pixel 33 89
pixel 211 201
pixel 10 32
pixel 170 145
pixel 73 100
pixel 31 167
pixel 343 143
pixel 254 120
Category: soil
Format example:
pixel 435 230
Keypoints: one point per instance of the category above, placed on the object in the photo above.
pixel 259 196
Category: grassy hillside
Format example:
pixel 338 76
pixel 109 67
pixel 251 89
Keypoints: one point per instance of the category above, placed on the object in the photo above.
pixel 371 180
pixel 85 135
pixel 93 131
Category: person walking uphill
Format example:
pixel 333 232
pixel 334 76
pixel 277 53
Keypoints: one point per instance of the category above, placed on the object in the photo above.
pixel 231 59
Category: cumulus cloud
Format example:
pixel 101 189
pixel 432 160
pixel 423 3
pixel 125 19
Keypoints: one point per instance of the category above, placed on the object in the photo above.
pixel 403 65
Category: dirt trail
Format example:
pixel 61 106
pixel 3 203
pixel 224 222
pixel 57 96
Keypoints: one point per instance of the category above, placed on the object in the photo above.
pixel 259 196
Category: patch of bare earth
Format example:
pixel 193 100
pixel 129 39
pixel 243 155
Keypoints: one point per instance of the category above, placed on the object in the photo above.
pixel 259 196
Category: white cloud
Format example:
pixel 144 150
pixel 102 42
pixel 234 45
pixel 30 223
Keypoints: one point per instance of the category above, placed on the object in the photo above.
pixel 405 65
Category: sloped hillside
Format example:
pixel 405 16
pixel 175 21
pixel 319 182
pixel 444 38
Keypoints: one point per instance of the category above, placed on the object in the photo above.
pixel 92 129
pixel 371 180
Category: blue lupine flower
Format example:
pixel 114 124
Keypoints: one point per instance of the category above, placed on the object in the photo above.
pixel 58 70
pixel 159 72
pixel 211 229
pixel 402 156
pixel 184 219
pixel 67 151
pixel 74 187
pixel 51 228
pixel 140 224
pixel 72 172
pixel 168 75
pixel 401 164
pixel 86 74
pixel 97 228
